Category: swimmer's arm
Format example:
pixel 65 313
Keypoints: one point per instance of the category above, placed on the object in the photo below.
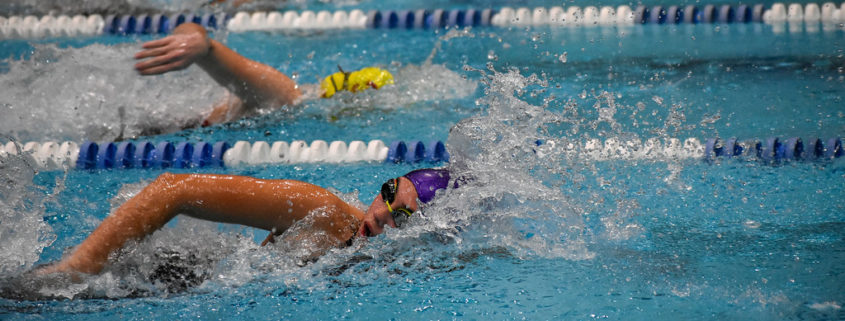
pixel 229 109
pixel 308 240
pixel 266 204
pixel 255 83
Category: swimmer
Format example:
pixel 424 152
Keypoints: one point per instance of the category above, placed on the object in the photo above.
pixel 272 205
pixel 252 85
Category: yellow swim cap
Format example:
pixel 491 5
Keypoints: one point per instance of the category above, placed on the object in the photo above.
pixel 355 81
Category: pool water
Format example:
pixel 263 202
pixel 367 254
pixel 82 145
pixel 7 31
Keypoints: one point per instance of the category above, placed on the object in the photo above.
pixel 539 234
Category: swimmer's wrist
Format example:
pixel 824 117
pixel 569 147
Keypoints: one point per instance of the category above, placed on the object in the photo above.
pixel 209 51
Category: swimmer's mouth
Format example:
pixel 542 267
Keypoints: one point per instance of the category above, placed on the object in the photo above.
pixel 366 230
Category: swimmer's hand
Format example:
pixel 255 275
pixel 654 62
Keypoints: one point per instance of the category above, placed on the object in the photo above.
pixel 188 43
pixel 56 270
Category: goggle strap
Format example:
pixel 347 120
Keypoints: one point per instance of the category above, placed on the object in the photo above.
pixel 407 212
pixel 404 210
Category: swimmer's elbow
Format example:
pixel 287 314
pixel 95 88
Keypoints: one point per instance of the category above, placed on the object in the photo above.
pixel 166 179
pixel 168 188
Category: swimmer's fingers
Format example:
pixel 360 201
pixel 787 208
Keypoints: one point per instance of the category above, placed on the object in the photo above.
pixel 172 60
pixel 154 48
pixel 157 43
pixel 160 69
pixel 151 53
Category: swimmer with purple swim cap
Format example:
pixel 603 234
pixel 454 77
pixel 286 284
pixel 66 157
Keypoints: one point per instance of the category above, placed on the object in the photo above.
pixel 398 199
pixel 273 205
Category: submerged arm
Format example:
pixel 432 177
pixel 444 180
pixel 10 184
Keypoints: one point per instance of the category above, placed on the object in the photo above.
pixel 267 204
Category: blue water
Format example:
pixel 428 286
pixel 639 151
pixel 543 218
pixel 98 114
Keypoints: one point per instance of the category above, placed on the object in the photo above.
pixel 633 240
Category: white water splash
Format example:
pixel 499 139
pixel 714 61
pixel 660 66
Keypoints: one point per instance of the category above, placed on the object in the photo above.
pixel 506 203
pixel 102 6
pixel 94 93
pixel 23 232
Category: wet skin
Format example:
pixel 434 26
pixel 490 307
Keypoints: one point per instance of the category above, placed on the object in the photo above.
pixel 273 205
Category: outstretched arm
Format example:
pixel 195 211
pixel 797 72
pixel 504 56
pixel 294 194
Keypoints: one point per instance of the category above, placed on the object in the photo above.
pixel 256 84
pixel 267 204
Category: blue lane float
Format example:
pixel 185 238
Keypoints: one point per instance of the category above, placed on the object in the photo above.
pixel 125 155
pixel 163 155
pixel 157 23
pixel 202 155
pixel 775 149
pixel 217 152
pixel 833 148
pixel 87 158
pixel 144 154
pixel 657 15
pixel 436 152
pixel 106 155
pixel 396 153
pixel 183 155
pixel 129 25
pixel 690 14
pixel 415 153
pixel 142 25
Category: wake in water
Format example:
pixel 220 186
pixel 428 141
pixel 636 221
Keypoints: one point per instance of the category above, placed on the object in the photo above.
pixel 92 93
pixel 521 198
pixel 157 6
pixel 23 232
pixel 103 6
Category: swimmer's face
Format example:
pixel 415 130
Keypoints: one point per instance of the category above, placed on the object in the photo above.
pixel 378 215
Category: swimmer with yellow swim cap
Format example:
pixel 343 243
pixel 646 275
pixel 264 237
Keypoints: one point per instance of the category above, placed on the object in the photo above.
pixel 252 85
pixel 370 77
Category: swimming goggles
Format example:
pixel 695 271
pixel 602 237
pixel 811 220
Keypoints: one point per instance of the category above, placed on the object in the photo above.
pixel 388 194
pixel 343 83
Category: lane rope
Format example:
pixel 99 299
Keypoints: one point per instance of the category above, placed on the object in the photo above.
pixel 145 154
pixel 811 15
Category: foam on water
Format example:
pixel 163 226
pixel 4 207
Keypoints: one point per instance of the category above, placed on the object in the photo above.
pixel 23 232
pixel 94 93
pixel 511 203
pixel 100 6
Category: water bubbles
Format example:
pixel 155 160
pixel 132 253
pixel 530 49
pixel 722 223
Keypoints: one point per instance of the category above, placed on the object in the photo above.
pixel 508 160
pixel 23 232
pixel 751 224
pixel 710 119
pixel 562 58
pixel 657 99
pixel 78 94
pixel 491 55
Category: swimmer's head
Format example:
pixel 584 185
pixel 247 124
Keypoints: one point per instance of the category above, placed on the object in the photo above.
pixel 392 207
pixel 370 77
